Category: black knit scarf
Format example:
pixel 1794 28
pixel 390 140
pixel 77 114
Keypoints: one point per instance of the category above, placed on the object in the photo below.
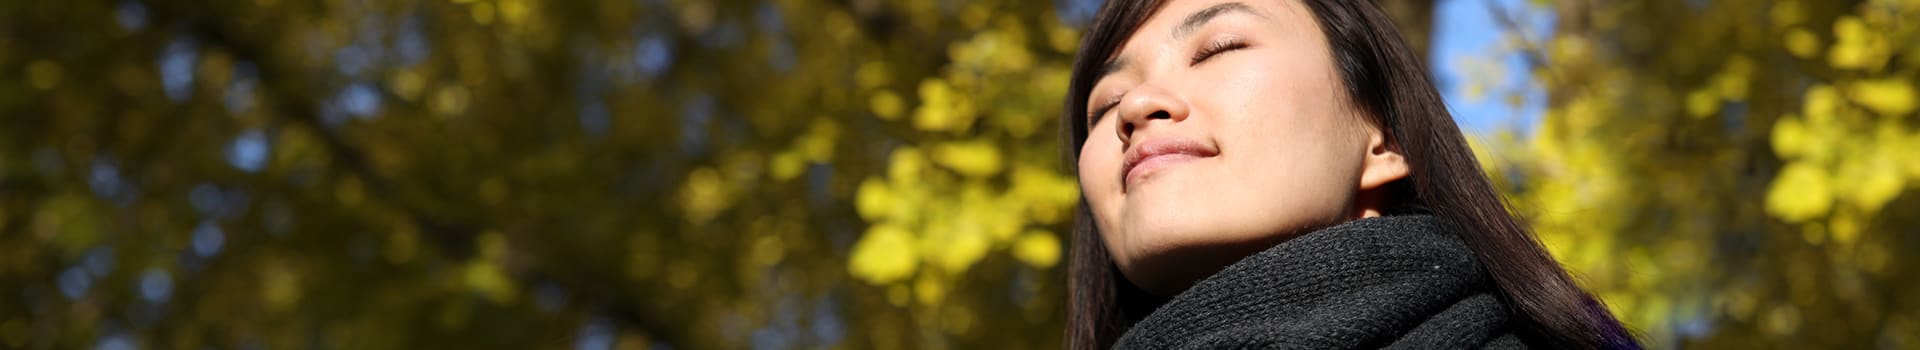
pixel 1404 282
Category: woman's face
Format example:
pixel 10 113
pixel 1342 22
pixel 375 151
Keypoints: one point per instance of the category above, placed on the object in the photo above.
pixel 1221 129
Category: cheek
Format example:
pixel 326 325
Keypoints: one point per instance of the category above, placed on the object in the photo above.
pixel 1099 161
pixel 1289 124
pixel 1099 166
pixel 1292 108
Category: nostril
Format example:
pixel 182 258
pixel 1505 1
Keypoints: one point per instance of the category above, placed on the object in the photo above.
pixel 1160 115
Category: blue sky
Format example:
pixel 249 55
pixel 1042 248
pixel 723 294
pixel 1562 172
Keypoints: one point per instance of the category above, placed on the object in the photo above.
pixel 1465 31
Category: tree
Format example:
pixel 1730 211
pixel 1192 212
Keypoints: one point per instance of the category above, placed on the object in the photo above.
pixel 516 173
pixel 1730 173
pixel 862 174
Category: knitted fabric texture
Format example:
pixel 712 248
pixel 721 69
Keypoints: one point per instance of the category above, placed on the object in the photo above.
pixel 1403 282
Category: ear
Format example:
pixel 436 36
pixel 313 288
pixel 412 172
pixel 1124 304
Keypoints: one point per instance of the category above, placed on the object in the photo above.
pixel 1383 164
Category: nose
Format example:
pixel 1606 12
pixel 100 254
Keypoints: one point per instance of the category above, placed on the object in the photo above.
pixel 1148 105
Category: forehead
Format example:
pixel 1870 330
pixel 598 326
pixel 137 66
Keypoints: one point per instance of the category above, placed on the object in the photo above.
pixel 1180 19
pixel 1176 13
pixel 1165 28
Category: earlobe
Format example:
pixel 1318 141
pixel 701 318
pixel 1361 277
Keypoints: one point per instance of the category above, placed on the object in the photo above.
pixel 1384 163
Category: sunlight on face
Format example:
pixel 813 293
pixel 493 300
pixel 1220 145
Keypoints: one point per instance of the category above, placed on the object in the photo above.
pixel 1220 130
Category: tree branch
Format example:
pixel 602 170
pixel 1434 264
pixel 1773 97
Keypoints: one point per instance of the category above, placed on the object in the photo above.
pixel 283 85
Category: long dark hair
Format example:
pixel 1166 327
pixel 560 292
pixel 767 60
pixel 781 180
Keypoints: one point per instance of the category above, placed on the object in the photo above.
pixel 1389 82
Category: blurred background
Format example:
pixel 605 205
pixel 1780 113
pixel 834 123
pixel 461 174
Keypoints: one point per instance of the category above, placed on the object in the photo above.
pixel 685 174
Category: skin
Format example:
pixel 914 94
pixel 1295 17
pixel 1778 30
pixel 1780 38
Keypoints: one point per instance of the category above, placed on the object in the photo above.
pixel 1277 149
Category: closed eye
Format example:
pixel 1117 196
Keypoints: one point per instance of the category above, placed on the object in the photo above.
pixel 1105 107
pixel 1215 48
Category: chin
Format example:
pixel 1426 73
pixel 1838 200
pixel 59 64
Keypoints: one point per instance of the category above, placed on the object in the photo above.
pixel 1167 253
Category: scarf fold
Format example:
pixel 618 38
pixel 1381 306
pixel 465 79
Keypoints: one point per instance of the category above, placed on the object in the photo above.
pixel 1405 282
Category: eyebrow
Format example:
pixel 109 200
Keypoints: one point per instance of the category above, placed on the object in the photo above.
pixel 1192 23
pixel 1200 18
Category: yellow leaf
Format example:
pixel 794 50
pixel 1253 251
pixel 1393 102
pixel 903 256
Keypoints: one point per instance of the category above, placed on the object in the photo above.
pixel 818 142
pixel 1853 46
pixel 1802 43
pixel 1912 162
pixel 1733 81
pixel 958 237
pixel 970 158
pixel 1570 48
pixel 906 164
pixel 786 165
pixel 886 104
pixel 913 201
pixel 886 254
pixel 450 100
pixel 482 13
pixel 1801 192
pixel 934 99
pixel 872 74
pixel 487 278
pixel 1702 103
pixel 1849 54
pixel 514 11
pixel 1790 138
pixel 1889 97
pixel 962 249
pixel 281 284
pixel 69 221
pixel 941 108
pixel 704 195
pixel 1782 320
pixel 1820 104
pixel 1875 178
pixel 1047 196
pixel 768 250
pixel 1063 39
pixel 872 199
pixel 975 15
pixel 929 290
pixel 1037 248
pixel 1850 28
pixel 1845 227
pixel 997 215
pixel 1785 13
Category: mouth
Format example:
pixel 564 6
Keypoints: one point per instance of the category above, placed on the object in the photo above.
pixel 1151 156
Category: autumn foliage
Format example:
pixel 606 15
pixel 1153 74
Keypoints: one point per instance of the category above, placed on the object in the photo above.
pixel 858 174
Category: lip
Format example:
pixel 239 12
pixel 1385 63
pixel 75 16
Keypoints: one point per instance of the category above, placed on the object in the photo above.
pixel 1159 153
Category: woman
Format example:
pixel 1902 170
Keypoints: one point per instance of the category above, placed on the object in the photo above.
pixel 1283 173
